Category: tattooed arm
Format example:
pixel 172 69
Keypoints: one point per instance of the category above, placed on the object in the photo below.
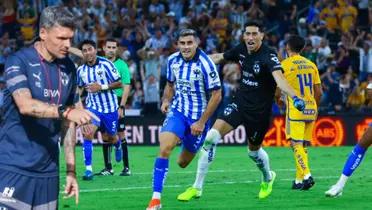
pixel 69 140
pixel 36 108
pixel 29 106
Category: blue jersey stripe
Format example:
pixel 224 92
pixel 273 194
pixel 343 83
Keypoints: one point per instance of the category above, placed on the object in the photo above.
pixel 199 100
pixel 189 98
pixel 108 73
pixel 182 105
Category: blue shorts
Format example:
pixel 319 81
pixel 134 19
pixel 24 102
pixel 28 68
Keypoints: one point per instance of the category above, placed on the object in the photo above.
pixel 177 123
pixel 109 121
pixel 19 191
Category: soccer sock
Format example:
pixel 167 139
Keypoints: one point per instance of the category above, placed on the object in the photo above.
pixel 205 160
pixel 299 174
pixel 261 159
pixel 117 144
pixel 88 150
pixel 353 161
pixel 159 176
pixel 307 172
pixel 301 160
pixel 212 138
pixel 106 148
pixel 124 148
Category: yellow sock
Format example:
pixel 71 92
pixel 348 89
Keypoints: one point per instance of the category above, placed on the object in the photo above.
pixel 307 172
pixel 301 161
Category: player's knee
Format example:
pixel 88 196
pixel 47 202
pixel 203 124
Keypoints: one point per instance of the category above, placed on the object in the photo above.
pixel 165 151
pixel 88 136
pixel 183 163
pixel 253 148
pixel 213 136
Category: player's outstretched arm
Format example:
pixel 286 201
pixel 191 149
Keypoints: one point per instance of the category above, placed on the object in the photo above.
pixel 283 84
pixel 217 57
pixel 69 141
pixel 76 52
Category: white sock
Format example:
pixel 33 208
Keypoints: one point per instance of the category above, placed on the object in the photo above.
pixel 89 168
pixel 205 160
pixel 342 181
pixel 206 156
pixel 307 176
pixel 261 159
pixel 213 137
pixel 156 195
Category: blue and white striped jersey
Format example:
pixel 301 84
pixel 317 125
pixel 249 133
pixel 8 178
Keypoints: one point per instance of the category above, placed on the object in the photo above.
pixel 193 80
pixel 102 72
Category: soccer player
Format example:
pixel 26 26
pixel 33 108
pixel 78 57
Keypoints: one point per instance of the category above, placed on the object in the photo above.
pixel 303 76
pixel 192 78
pixel 121 148
pixel 39 97
pixel 354 159
pixel 250 106
pixel 99 77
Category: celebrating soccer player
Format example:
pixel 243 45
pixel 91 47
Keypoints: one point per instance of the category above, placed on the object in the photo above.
pixel 250 106
pixel 354 159
pixel 40 94
pixel 191 77
pixel 99 77
pixel 303 76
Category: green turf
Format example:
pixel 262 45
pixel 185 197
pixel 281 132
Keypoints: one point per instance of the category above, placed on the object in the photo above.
pixel 232 183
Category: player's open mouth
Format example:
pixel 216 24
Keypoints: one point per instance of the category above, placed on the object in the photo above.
pixel 250 43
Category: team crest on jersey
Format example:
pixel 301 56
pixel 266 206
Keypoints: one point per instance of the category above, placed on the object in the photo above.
pixel 256 68
pixel 100 73
pixel 196 72
pixel 175 67
pixel 228 110
pixel 64 78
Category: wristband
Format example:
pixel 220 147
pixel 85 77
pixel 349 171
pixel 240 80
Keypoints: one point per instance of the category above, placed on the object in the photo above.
pixel 104 87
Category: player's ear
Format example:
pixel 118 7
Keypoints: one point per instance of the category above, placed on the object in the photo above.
pixel 43 33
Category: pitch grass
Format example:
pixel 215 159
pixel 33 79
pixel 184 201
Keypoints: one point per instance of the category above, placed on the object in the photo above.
pixel 232 183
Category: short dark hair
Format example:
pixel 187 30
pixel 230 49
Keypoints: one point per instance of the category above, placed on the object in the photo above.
pixel 187 32
pixel 254 23
pixel 111 40
pixel 296 43
pixel 88 41
pixel 57 15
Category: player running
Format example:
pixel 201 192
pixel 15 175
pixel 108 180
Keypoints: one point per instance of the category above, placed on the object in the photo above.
pixel 250 106
pixel 303 76
pixel 354 159
pixel 99 77
pixel 191 78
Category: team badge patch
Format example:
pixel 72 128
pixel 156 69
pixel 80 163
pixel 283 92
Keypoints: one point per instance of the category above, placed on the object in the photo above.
pixel 256 68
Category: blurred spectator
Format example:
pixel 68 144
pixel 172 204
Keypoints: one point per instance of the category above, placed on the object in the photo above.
pixel 2 86
pixel 347 15
pixel 137 95
pixel 150 63
pixel 324 52
pixel 332 98
pixel 219 24
pixel 151 95
pixel 9 18
pixel 329 16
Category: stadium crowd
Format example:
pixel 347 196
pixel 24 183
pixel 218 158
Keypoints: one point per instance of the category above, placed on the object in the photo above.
pixel 338 33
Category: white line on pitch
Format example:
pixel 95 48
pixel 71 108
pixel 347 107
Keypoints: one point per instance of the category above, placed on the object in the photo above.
pixel 179 186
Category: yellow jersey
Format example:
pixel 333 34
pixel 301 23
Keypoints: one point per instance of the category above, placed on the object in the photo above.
pixel 302 75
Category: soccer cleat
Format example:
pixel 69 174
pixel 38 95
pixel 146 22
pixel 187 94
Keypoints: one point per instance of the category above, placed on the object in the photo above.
pixel 88 175
pixel 118 153
pixel 334 191
pixel 308 183
pixel 190 193
pixel 267 187
pixel 154 204
pixel 297 186
pixel 125 172
pixel 105 172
